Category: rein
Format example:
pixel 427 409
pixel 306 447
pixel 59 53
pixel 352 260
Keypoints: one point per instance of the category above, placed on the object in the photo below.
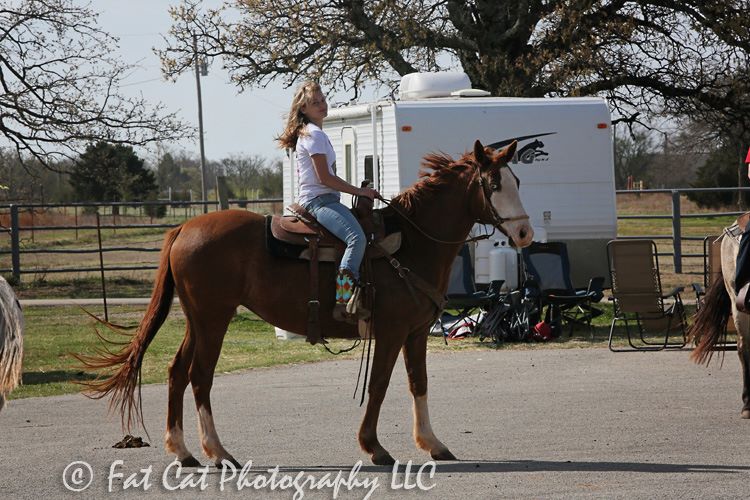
pixel 436 240
pixel 497 220
pixel 413 281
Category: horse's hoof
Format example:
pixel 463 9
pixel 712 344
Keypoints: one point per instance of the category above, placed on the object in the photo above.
pixel 745 414
pixel 385 459
pixel 190 461
pixel 223 463
pixel 443 455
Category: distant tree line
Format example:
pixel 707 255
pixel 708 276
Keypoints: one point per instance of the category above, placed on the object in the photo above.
pixel 694 157
pixel 107 172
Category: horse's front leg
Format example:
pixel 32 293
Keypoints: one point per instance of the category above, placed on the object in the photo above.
pixel 386 353
pixel 415 358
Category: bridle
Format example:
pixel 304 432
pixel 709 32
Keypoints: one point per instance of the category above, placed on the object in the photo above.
pixel 495 219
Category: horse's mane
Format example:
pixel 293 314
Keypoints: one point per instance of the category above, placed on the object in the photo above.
pixel 437 170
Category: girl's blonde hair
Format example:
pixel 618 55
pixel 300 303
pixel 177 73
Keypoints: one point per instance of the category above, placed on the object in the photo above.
pixel 295 120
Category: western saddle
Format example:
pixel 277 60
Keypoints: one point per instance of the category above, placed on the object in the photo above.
pixel 301 229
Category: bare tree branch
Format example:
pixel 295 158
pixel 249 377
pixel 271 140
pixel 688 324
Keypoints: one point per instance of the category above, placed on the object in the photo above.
pixel 648 57
pixel 60 85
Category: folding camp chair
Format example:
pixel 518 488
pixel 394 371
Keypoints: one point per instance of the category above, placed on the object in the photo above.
pixel 638 297
pixel 548 265
pixel 463 295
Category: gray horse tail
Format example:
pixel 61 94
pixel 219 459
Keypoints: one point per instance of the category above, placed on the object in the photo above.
pixel 11 341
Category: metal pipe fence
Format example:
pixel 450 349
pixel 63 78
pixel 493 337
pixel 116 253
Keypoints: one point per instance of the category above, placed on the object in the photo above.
pixel 676 217
pixel 25 226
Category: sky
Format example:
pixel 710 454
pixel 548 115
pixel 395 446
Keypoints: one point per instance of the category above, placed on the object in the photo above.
pixel 233 123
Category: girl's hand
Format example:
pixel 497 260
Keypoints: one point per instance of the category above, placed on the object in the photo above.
pixel 368 193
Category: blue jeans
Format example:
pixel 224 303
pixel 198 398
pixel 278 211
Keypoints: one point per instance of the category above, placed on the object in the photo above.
pixel 340 221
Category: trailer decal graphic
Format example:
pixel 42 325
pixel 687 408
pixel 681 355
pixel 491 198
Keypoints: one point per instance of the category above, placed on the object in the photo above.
pixel 526 153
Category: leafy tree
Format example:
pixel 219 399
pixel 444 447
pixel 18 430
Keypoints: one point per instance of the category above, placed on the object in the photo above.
pixel 112 172
pixel 634 156
pixel 721 170
pixel 178 172
pixel 58 85
pixel 271 180
pixel 644 56
pixel 31 182
pixel 243 172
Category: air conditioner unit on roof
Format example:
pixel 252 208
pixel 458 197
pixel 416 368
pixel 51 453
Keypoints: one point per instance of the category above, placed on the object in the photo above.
pixel 426 85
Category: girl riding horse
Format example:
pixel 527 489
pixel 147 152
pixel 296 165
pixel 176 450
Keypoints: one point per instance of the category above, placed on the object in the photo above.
pixel 219 261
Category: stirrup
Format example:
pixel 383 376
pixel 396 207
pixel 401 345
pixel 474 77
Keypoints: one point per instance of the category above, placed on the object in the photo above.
pixel 340 314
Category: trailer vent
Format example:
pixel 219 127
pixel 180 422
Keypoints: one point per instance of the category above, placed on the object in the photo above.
pixel 470 93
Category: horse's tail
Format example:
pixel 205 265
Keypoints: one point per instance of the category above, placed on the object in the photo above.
pixel 122 383
pixel 710 325
pixel 11 341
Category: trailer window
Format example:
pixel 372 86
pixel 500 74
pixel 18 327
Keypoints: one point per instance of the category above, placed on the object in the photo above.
pixel 369 174
pixel 348 162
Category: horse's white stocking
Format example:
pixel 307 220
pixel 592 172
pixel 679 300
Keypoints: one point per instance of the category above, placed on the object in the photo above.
pixel 210 439
pixel 174 442
pixel 423 434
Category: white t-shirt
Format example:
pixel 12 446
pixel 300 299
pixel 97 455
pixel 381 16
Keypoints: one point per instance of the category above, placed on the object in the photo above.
pixel 315 141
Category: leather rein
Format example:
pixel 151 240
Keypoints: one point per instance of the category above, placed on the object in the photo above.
pixel 496 219
pixel 414 282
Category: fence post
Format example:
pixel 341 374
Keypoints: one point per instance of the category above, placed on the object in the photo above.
pixel 676 231
pixel 15 248
pixel 101 265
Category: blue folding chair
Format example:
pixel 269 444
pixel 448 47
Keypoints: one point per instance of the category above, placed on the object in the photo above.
pixel 548 265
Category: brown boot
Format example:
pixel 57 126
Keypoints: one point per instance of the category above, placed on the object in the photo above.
pixel 741 301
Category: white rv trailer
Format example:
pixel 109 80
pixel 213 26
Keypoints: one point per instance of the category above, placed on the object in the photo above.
pixel 564 158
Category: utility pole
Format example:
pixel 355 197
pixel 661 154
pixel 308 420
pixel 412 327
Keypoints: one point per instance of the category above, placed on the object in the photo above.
pixel 200 69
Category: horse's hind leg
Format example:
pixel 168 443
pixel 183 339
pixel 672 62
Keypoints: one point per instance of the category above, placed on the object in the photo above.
pixel 742 325
pixel 209 336
pixel 745 364
pixel 383 361
pixel 178 380
pixel 415 354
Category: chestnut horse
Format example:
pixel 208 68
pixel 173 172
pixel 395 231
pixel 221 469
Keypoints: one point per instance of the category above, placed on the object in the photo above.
pixel 219 261
pixel 710 325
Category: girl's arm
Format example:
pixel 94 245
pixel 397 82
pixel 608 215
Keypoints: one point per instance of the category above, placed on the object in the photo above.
pixel 334 182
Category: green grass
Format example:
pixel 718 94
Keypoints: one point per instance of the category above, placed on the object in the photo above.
pixel 53 333
pixel 81 288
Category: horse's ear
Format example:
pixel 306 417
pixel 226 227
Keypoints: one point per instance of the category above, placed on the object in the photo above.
pixel 507 153
pixel 479 155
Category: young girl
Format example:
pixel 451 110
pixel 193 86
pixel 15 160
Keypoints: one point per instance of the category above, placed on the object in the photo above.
pixel 320 187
